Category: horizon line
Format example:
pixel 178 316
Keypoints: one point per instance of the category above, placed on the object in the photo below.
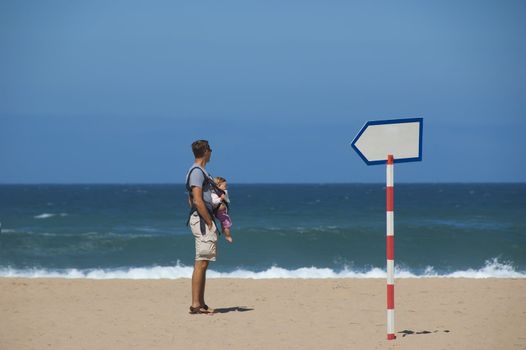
pixel 251 183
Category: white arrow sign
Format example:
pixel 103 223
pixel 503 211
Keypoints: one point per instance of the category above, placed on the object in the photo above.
pixel 400 137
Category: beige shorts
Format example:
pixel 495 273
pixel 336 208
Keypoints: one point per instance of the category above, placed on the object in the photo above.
pixel 205 245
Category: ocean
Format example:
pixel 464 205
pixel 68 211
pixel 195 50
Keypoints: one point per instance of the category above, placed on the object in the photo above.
pixel 293 231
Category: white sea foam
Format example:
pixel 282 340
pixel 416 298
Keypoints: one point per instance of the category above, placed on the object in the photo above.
pixel 44 216
pixel 49 215
pixel 492 269
pixel 7 230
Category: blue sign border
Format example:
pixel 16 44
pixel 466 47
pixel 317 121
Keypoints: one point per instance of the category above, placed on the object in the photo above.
pixel 391 121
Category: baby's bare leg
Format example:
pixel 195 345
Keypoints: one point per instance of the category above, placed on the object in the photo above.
pixel 228 236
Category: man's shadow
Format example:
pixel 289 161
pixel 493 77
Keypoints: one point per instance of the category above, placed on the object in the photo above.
pixel 225 310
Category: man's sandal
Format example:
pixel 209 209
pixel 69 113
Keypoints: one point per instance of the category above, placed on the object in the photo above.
pixel 208 309
pixel 198 310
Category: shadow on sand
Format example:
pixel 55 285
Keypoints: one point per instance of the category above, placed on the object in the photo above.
pixel 225 310
pixel 410 332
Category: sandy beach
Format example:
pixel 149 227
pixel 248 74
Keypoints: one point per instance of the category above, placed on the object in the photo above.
pixel 432 313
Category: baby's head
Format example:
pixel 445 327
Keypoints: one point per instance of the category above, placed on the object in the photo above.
pixel 220 182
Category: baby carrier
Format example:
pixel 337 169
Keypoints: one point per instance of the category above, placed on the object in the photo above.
pixel 207 181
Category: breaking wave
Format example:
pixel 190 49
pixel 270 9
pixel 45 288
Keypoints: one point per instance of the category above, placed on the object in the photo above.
pixel 492 269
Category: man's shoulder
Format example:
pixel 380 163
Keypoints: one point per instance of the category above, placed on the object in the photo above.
pixel 196 175
pixel 196 170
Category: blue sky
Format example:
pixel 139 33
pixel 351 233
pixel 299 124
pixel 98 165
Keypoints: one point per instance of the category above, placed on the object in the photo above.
pixel 116 91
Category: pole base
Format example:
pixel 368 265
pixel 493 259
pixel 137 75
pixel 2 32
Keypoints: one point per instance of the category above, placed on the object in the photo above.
pixel 391 336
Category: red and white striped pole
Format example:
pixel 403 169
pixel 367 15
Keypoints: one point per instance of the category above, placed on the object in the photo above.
pixel 390 248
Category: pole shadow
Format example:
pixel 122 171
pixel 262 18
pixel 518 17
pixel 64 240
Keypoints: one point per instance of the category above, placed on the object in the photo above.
pixel 410 332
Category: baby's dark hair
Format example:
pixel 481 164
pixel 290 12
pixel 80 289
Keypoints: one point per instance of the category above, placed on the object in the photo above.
pixel 219 180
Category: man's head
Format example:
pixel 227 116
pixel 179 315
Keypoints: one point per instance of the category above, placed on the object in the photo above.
pixel 201 149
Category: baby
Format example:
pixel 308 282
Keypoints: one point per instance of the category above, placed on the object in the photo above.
pixel 221 203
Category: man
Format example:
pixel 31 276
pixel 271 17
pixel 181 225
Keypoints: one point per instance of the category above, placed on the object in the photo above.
pixel 199 186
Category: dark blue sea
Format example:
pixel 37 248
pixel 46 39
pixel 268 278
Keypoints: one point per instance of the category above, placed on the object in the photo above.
pixel 303 231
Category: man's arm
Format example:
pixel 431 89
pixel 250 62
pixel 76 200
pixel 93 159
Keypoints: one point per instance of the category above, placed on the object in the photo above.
pixel 197 194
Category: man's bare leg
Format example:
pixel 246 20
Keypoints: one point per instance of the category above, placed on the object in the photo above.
pixel 202 289
pixel 198 283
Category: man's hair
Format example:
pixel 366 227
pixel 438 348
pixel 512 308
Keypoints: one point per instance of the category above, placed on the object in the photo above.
pixel 219 180
pixel 199 148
